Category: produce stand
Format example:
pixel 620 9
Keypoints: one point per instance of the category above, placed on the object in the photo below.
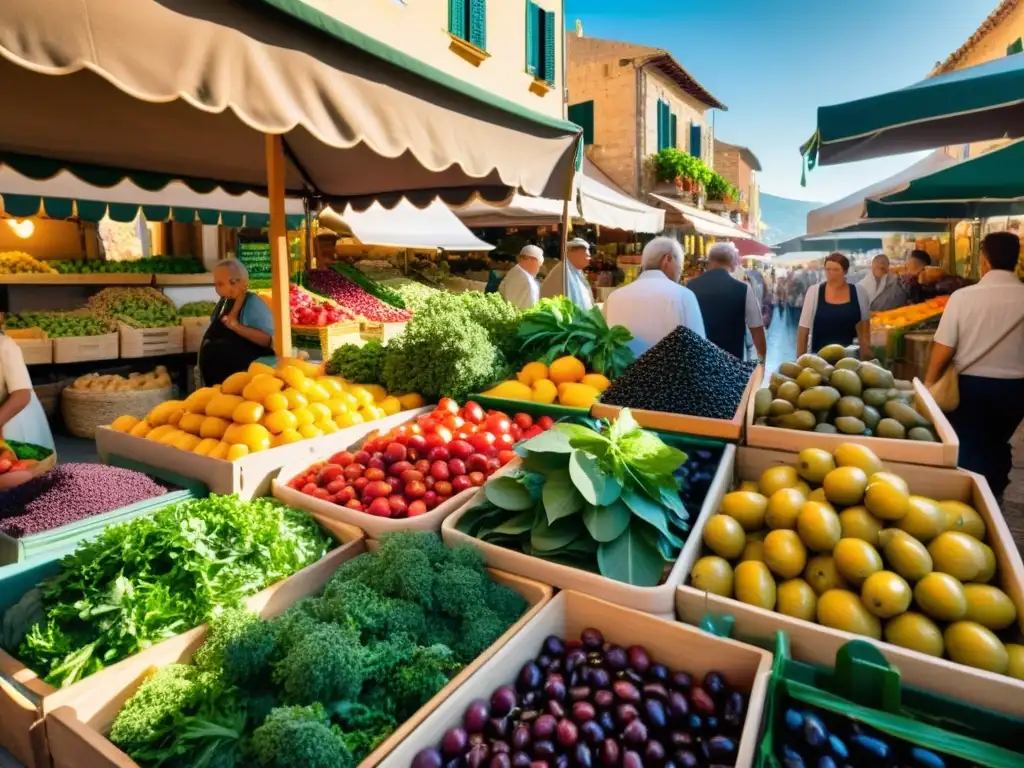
pixel 731 430
pixel 941 454
pixel 676 645
pixel 328 338
pixel 77 719
pixel 818 644
pixel 195 329
pixel 382 332
pixel 25 698
pixel 249 476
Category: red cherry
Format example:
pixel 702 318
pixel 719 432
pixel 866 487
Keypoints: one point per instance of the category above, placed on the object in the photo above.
pixel 308 488
pixel 360 483
pixel 504 442
pixel 362 457
pixel 334 487
pixel 439 470
pixel 476 463
pixel 473 413
pixel 417 443
pixel 415 489
pixel 460 449
pixel 395 452
pixel 545 422
pixel 341 458
pixel 352 471
pixel 431 499
pixel 498 424
pixel 380 507
pixel 320 493
pixel 438 454
pixel 523 420
pixel 399 506
pixel 396 469
pixel 412 476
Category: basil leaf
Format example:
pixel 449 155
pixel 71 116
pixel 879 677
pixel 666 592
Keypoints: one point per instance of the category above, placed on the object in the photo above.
pixel 549 538
pixel 561 499
pixel 545 462
pixel 645 451
pixel 649 511
pixel 518 524
pixel 508 493
pixel 606 523
pixel 631 559
pixel 593 484
pixel 552 441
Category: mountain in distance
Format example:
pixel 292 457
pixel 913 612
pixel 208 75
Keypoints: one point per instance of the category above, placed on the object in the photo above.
pixel 785 218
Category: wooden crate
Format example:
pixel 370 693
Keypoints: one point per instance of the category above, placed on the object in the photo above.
pixel 657 600
pixel 249 476
pixel 36 347
pixel 382 332
pixel 941 454
pixel 77 349
pixel 150 342
pixel 680 647
pixel 25 699
pixel 721 429
pixel 817 644
pixel 77 721
pixel 332 336
pixel 195 329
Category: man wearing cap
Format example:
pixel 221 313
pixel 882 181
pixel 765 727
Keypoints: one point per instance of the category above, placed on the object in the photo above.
pixel 567 279
pixel 520 286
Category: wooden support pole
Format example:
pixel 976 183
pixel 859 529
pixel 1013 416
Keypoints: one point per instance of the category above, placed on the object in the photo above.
pixel 278 246
pixel 564 249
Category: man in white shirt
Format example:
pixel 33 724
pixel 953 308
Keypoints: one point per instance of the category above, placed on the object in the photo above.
pixel 567 279
pixel 520 286
pixel 655 304
pixel 981 334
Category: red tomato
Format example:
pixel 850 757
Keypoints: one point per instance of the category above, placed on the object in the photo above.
pixel 396 469
pixel 460 449
pixel 506 456
pixel 342 458
pixel 457 466
pixel 545 422
pixel 320 493
pixel 428 424
pixel 380 507
pixel 516 432
pixel 443 488
pixel 498 424
pixel 374 473
pixel 335 486
pixel 417 508
pixel 482 440
pixel 523 420
pixel 399 507
pixel 504 442
pixel 430 499
pixel 435 440
pixel 445 434
pixel 476 463
pixel 309 488
pixel 345 495
pixel 415 489
pixel 363 457
pixel 493 465
pixel 355 504
pixel 360 483
pixel 462 434
pixel 448 405
pixel 417 443
pixel 415 429
pixel 461 483
pixel 352 471
pixel 454 423
pixel 473 413
pixel 477 478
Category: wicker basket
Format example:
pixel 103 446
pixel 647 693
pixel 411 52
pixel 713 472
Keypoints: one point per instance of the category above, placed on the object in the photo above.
pixel 49 395
pixel 84 411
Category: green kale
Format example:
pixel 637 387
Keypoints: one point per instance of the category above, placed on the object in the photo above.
pixel 373 613
pixel 299 736
pixel 362 364
pixel 363 728
pixel 505 602
pixel 480 629
pixel 414 683
pixel 240 645
pixel 459 591
pixel 150 716
pixel 326 664
pixel 495 315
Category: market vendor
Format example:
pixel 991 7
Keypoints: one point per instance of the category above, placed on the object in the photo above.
pixel 241 328
pixel 834 312
pixel 21 414
pixel 520 286
pixel 567 279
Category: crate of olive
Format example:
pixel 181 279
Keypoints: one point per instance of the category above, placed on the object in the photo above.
pixel 828 399
pixel 575 687
pixel 863 712
pixel 833 546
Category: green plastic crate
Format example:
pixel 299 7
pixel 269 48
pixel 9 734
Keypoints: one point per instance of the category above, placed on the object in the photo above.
pixel 536 410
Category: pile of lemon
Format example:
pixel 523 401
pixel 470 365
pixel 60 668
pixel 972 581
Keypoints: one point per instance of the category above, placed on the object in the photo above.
pixel 564 382
pixel 838 540
pixel 264 408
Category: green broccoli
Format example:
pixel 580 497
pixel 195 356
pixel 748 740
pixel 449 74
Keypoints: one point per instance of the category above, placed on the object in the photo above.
pixel 295 623
pixel 325 665
pixel 372 612
pixel 429 544
pixel 459 591
pixel 299 736
pixel 150 716
pixel 407 574
pixel 359 568
pixel 240 645
pixel 505 602
pixel 413 684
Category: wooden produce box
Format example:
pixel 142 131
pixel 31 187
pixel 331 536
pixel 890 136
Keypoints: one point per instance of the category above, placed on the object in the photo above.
pixel 818 644
pixel 25 698
pixel 78 349
pixel 721 429
pixel 195 329
pixel 249 476
pixel 77 721
pixel 150 342
pixel 941 454
pixel 36 347
pixel 382 332
pixel 679 647
pixel 658 600
pixel 332 336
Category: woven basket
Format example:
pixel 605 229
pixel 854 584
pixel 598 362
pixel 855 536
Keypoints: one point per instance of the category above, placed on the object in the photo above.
pixel 84 411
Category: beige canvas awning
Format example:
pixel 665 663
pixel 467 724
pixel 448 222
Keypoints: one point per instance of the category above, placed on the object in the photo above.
pixel 704 222
pixel 405 226
pixel 186 89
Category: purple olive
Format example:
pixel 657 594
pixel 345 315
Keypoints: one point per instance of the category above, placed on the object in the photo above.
pixel 583 711
pixel 592 639
pixel 554 688
pixel 686 759
pixel 521 737
pixel 556 710
pixel 478 756
pixel 542 750
pixel 615 658
pixel 714 684
pixel 606 721
pixel 503 701
pixel 579 693
pixel 592 733
pixel 654 714
pixel 428 758
pixel 501 760
pixel 720 750
pixel 678 707
pixel 529 678
pixel 582 755
pixel 659 673
pixel 701 702
pixel 735 709
pixel 544 727
pixel 597 677
pixel 543 661
pixel 574 659
pixel 681 681
pixel 476 716
pixel 626 714
pixel 455 742
pixel 654 753
pixel 638 659
pixel 553 646
pixel 500 747
pixel 522 760
pixel 529 700
pixel 497 728
pixel 632 760
pixel 626 691
pixel 604 699
pixel 609 753
pixel 656 691
pixel 635 733
pixel 567 734
pixel 680 740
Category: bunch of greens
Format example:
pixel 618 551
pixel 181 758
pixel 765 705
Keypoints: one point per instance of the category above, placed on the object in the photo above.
pixel 156 265
pixel 326 682
pixel 197 309
pixel 360 364
pixel 28 450
pixel 559 328
pixel 159 575
pixel 604 500
pixel 61 324
pixel 369 285
pixel 495 315
pixel 138 307
pixel 414 294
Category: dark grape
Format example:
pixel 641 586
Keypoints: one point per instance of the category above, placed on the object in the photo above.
pixel 592 639
pixel 530 677
pixel 503 701
pixel 476 716
pixel 638 659
pixel 553 646
pixel 428 758
pixel 544 727
pixel 455 742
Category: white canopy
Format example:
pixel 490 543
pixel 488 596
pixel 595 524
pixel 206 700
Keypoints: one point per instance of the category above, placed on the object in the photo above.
pixel 406 226
pixel 705 222
pixel 798 258
pixel 852 210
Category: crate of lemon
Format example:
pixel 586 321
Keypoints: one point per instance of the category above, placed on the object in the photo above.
pixel 831 545
pixel 236 436
pixel 565 388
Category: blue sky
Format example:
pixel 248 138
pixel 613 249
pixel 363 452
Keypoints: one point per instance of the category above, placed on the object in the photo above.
pixel 773 62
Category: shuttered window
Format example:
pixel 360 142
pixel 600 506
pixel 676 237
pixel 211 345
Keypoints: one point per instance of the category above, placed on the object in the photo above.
pixel 673 138
pixel 582 114
pixel 533 38
pixel 695 140
pixel 541 58
pixel 1017 46
pixel 467 19
pixel 666 126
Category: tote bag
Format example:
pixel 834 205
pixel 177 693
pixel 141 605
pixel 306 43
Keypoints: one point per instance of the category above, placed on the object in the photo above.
pixel 946 391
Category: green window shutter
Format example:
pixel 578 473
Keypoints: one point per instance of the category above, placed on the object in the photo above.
pixel 478 23
pixel 582 114
pixel 695 140
pixel 457 18
pixel 673 139
pixel 1017 46
pixel 550 60
pixel 532 38
pixel 661 123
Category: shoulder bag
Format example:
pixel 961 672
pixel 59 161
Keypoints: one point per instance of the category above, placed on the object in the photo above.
pixel 946 391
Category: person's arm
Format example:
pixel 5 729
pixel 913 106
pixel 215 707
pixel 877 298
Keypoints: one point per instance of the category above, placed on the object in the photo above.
pixel 803 331
pixel 755 322
pixel 19 383
pixel 760 342
pixel 944 343
pixel 254 322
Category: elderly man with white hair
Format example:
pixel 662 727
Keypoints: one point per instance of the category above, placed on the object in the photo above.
pixel 729 306
pixel 568 279
pixel 655 304
pixel 520 286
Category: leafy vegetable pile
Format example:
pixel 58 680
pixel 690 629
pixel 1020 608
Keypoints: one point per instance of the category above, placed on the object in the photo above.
pixel 359 364
pixel 322 685
pixel 61 324
pixel 156 576
pixel 556 328
pixel 197 309
pixel 369 285
pixel 605 501
pixel 139 307
pixel 156 265
pixel 414 295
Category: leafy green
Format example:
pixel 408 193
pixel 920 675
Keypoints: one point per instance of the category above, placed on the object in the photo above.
pixel 368 284
pixel 559 328
pixel 361 364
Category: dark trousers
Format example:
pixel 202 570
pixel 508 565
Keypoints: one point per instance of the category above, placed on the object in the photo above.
pixel 990 412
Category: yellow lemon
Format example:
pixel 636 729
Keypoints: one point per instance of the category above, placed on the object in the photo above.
pixel 389 405
pixel 411 400
pixel 886 594
pixel 176 416
pixel 598 381
pixel 259 387
pixel 287 437
pixel 320 412
pixel 753 550
pixel 989 606
pixel 141 429
pixel 295 399
pixel 275 402
pixel 543 391
pixel 308 431
pixel 294 378
pixel 856 560
pixel 378 392
pixel 746 508
pixel 235 383
pixel 723 535
pixel 712 574
pixel 172 434
pixel 818 526
pixel 858 523
pixel 303 416
pixel 317 394
pixel 532 372
pixel 326 427
pixel 186 442
pixel 219 451
pixel 776 478
pixel 749 485
pixel 254 436
pixel 331 385
pixel 257 368
pixel 237 451
pixel 198 400
pixel 213 427
pixel 336 406
pixel 362 395
pixel 205 446
pixel 223 406
pixel 124 423
pixel 972 645
pixel 886 500
pixel 844 610
pixel 567 369
pixel 916 632
pixel 247 413
pixel 348 419
pixel 957 554
pixel 986 573
pixel 753 584
pixel 822 574
pixel 159 415
pixel 192 423
pixel 1015 661
pixel 784 553
pixel 279 421
pixel 905 554
pixel 941 597
pixel 796 598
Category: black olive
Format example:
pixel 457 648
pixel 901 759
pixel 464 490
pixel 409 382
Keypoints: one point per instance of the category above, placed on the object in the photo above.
pixel 530 677
pixel 592 639
pixel 654 714
pixel 616 658
pixel 659 673
pixel 553 646
pixel 714 684
pixel 592 733
pixel 681 681
pixel 583 756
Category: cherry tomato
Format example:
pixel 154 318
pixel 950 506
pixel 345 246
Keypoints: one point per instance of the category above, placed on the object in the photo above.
pixel 445 434
pixel 504 442
pixel 545 422
pixel 415 429
pixel 473 413
pixel 428 424
pixel 417 508
pixel 453 422
pixel 506 456
pixel 516 432
pixel 482 440
pixel 434 440
pixel 498 424
pixel 448 405
pixel 523 420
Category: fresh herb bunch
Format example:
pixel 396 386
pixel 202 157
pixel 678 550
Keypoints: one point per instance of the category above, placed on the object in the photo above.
pixel 414 294
pixel 159 575
pixel 331 678
pixel 495 315
pixel 156 265
pixel 369 285
pixel 61 324
pixel 138 307
pixel 359 364
pixel 560 329
pixel 197 309
pixel 604 500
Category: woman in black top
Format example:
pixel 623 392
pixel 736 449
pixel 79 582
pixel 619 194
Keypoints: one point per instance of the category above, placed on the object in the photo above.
pixel 835 311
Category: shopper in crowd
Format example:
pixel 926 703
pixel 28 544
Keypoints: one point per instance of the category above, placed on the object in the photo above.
pixel 655 304
pixel 981 334
pixel 835 311
pixel 241 329
pixel 877 282
pixel 520 286
pixel 728 307
pixel 22 417
pixel 568 278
